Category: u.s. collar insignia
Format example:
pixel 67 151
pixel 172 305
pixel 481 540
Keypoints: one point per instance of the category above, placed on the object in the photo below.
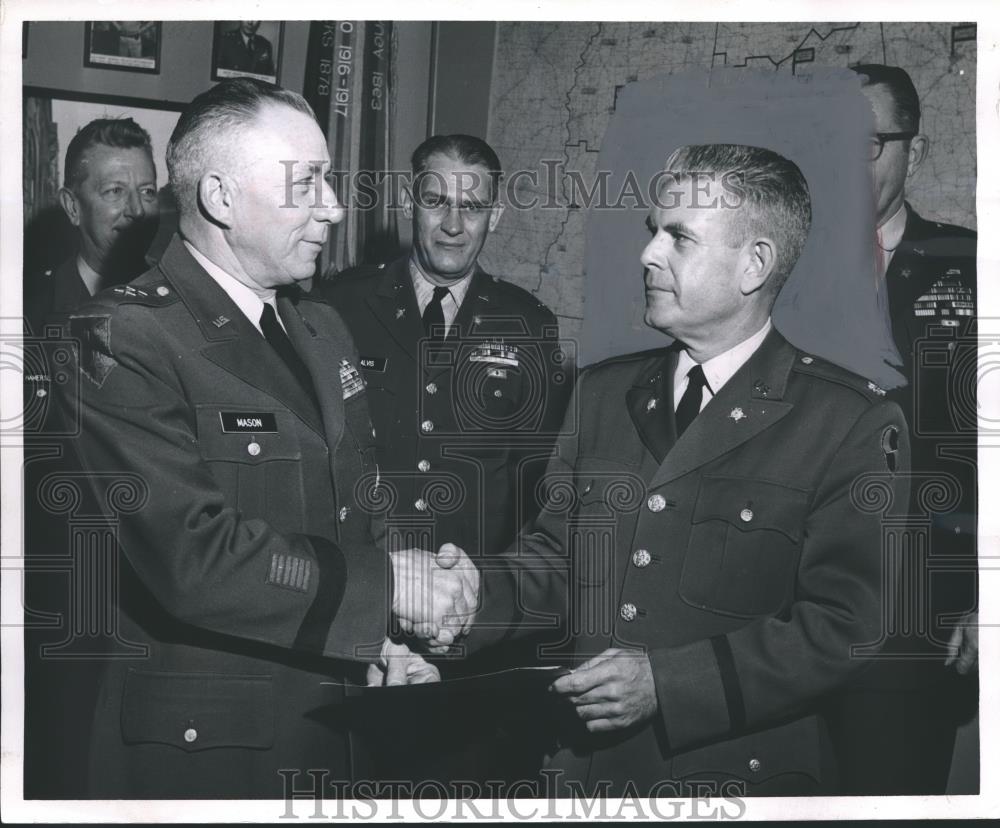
pixel 220 321
pixel 400 313
pixel 651 405
pixel 875 389
pixel 351 381
pixel 736 415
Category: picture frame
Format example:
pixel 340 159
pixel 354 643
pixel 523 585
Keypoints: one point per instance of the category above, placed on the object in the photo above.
pixel 247 48
pixel 126 45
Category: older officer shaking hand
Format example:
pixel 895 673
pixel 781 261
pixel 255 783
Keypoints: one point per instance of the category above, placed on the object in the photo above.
pixel 225 425
pixel 708 535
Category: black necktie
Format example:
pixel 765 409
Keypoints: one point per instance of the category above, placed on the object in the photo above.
pixel 276 336
pixel 690 403
pixel 434 315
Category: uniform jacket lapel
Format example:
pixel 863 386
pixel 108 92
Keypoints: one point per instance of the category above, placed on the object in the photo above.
pixel 746 405
pixel 232 342
pixel 911 271
pixel 445 356
pixel 650 403
pixel 316 345
pixel 395 305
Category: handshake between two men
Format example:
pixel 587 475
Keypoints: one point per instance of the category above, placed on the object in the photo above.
pixel 435 600
pixel 435 597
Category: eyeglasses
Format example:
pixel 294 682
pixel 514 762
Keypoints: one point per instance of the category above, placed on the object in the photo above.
pixel 878 141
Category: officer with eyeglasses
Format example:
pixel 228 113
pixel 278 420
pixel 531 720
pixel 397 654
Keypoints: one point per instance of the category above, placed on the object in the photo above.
pixel 896 726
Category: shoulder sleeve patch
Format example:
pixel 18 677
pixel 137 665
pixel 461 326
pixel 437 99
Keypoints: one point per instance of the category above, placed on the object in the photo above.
pixel 94 335
pixel 890 447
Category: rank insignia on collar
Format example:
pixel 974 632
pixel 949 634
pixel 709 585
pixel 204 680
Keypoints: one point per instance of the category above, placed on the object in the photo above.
pixel 651 405
pixel 400 313
pixel 905 272
pixel 875 389
pixel 350 379
pixel 128 290
pixel 736 415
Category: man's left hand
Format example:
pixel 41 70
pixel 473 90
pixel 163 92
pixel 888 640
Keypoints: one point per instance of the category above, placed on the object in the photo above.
pixel 612 691
pixel 400 665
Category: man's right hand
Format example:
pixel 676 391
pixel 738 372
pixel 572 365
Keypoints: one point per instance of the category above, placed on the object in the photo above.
pixel 436 596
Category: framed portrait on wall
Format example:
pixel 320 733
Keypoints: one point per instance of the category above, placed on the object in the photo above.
pixel 247 48
pixel 131 45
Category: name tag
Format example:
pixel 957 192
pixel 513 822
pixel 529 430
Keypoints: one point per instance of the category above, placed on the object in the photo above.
pixel 238 422
pixel 373 363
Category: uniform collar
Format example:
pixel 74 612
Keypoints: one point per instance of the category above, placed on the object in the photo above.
pixel 890 233
pixel 424 288
pixel 249 303
pixel 721 368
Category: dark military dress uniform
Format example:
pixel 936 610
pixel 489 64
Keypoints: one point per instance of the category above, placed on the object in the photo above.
pixel 50 296
pixel 744 557
pixel 897 726
pixel 58 690
pixel 464 427
pixel 250 576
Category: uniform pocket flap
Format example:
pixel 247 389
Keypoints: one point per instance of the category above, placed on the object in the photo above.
pixel 756 757
pixel 198 711
pixel 240 435
pixel 749 504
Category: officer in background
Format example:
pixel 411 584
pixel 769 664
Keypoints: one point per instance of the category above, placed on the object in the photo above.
pixel 896 727
pixel 465 377
pixel 109 195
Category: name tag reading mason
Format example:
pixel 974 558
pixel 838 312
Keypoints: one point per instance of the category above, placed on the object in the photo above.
pixel 240 423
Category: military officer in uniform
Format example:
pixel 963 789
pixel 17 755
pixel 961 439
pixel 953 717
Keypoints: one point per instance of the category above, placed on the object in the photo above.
pixel 465 377
pixel 224 422
pixel 109 195
pixel 896 726
pixel 712 530
pixel 243 50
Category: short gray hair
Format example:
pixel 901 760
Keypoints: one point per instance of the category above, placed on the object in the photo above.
pixel 208 123
pixel 773 192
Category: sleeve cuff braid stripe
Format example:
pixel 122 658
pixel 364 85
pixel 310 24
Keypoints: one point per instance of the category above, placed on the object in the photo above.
pixel 330 587
pixel 730 683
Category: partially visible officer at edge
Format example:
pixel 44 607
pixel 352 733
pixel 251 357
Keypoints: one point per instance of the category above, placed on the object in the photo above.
pixel 897 723
pixel 109 195
pixel 466 380
pixel 231 406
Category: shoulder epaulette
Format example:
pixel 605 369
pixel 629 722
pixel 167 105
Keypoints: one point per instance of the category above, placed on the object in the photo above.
pixel 823 369
pixel 151 294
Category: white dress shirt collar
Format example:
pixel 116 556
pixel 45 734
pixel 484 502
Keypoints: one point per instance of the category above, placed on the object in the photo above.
pixel 91 278
pixel 243 297
pixel 719 369
pixel 424 290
